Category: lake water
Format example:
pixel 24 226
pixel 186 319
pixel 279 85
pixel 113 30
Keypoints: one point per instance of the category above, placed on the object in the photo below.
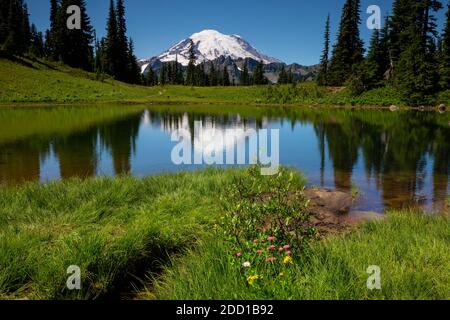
pixel 396 159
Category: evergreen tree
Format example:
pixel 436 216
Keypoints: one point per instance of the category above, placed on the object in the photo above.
pixel 245 78
pixel 258 74
pixel 51 35
pixel 375 62
pixel 37 42
pixel 75 46
pixel 348 50
pixel 190 76
pixel 14 27
pixel 163 74
pixel 322 76
pixel 213 77
pixel 226 77
pixel 123 55
pixel 416 67
pixel 111 54
pixel 445 54
pixel 283 77
pixel 134 72
pixel 152 78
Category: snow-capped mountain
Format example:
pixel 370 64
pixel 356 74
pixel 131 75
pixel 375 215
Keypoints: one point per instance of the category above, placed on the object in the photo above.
pixel 210 45
pixel 230 51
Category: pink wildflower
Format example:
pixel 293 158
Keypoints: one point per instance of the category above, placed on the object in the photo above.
pixel 287 247
pixel 289 253
pixel 259 251
pixel 271 259
pixel 280 249
pixel 270 238
pixel 238 254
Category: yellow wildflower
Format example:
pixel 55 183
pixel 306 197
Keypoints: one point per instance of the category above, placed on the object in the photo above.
pixel 251 279
pixel 287 260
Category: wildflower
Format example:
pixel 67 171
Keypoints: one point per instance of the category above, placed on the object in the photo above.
pixel 246 264
pixel 259 251
pixel 287 247
pixel 255 241
pixel 289 253
pixel 251 279
pixel 238 254
pixel 272 247
pixel 271 259
pixel 287 260
pixel 280 249
pixel 281 274
pixel 270 239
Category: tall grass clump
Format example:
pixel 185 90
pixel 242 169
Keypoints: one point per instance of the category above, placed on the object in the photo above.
pixel 410 248
pixel 114 229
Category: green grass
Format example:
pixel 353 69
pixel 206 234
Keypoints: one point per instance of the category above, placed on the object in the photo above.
pixel 410 248
pixel 111 228
pixel 121 230
pixel 35 81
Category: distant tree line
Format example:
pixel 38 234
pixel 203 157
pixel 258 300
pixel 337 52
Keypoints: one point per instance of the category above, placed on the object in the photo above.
pixel 78 48
pixel 408 52
pixel 203 74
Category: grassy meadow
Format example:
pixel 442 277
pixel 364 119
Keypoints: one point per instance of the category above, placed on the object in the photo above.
pixel 410 248
pixel 31 81
pixel 161 237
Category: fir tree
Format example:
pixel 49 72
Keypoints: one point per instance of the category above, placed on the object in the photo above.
pixel 123 55
pixel 258 74
pixel 282 77
pixel 75 46
pixel 445 54
pixel 111 54
pixel 134 72
pixel 213 77
pixel 190 76
pixel 322 76
pixel 226 77
pixel 37 42
pixel 348 50
pixel 245 78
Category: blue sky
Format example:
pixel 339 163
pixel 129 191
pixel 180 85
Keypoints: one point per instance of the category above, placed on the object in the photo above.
pixel 290 30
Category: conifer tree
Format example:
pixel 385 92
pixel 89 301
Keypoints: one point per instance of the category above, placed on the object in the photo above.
pixel 111 54
pixel 445 53
pixel 348 50
pixel 322 76
pixel 213 77
pixel 283 77
pixel 133 68
pixel 416 68
pixel 123 55
pixel 258 74
pixel 190 76
pixel 51 34
pixel 37 42
pixel 226 77
pixel 245 78
pixel 75 46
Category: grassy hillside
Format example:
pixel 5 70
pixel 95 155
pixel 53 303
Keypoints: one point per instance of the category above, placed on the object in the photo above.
pixel 36 81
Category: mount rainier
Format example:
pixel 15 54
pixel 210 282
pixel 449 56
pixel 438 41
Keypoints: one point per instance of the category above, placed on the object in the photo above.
pixel 229 51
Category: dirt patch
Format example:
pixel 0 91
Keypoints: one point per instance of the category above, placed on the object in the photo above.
pixel 330 212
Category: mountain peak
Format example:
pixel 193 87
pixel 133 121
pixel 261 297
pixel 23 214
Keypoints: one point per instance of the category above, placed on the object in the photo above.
pixel 211 44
